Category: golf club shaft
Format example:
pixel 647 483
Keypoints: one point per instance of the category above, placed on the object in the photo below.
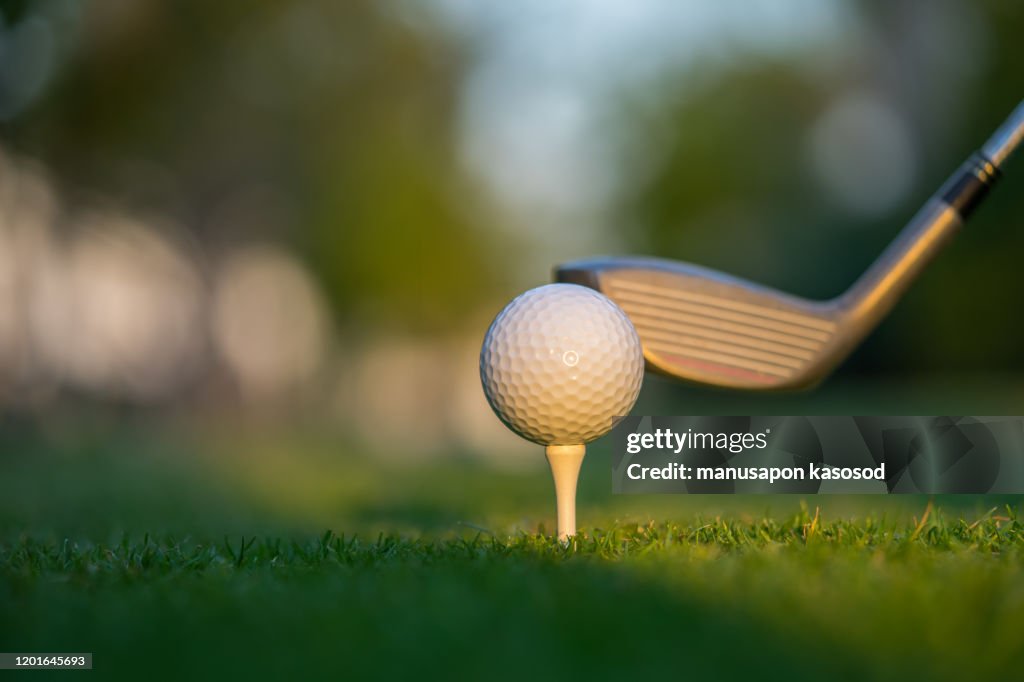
pixel 1005 140
pixel 875 293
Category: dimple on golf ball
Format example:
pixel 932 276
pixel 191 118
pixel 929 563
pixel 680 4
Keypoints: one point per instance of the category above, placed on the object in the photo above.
pixel 559 363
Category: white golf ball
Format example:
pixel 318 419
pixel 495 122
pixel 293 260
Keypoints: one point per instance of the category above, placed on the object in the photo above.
pixel 559 363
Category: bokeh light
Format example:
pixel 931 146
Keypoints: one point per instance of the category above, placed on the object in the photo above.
pixel 270 324
pixel 863 154
pixel 119 310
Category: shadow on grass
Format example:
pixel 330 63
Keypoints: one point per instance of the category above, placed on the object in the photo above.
pixel 495 620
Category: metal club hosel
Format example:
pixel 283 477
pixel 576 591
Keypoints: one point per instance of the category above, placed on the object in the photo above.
pixel 875 292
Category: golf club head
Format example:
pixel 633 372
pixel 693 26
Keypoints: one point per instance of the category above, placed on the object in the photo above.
pixel 707 327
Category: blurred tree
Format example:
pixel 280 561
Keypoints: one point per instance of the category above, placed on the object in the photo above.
pixel 327 125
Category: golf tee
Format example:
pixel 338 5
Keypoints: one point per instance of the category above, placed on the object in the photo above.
pixel 565 461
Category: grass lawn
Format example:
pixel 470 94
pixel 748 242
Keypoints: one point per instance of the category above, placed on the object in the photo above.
pixel 247 564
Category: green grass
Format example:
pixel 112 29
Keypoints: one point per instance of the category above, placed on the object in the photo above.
pixel 209 559
pixel 800 598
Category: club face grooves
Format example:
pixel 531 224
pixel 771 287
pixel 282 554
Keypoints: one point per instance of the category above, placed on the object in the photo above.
pixel 706 327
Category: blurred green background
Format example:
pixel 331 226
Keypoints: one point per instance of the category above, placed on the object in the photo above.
pixel 312 209
pixel 248 250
